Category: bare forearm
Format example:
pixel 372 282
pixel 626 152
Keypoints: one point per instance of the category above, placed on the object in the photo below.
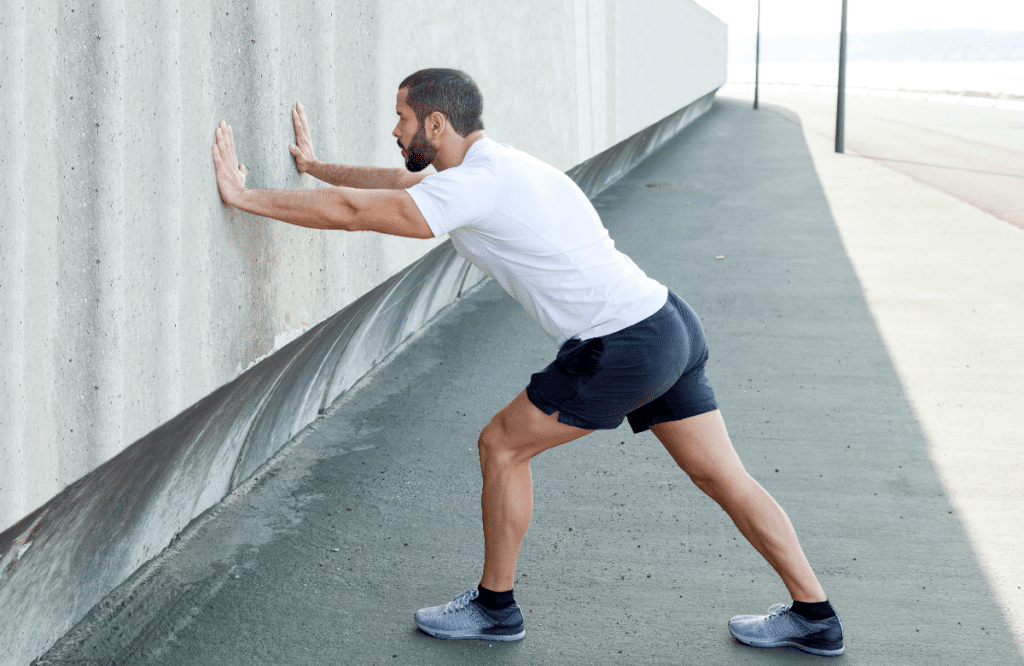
pixel 314 209
pixel 363 177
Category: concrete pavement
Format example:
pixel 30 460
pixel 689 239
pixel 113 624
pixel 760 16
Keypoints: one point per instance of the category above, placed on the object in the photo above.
pixel 972 153
pixel 824 377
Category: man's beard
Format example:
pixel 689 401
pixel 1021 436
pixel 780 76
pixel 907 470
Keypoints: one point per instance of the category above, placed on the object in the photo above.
pixel 420 151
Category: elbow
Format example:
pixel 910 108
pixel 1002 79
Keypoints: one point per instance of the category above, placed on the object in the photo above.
pixel 341 223
pixel 340 216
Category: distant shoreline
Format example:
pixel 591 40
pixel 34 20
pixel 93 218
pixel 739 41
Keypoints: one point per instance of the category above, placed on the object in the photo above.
pixel 867 90
pixel 1007 103
pixel 1000 80
pixel 958 45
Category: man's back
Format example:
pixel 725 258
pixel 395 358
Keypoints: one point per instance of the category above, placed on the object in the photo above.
pixel 528 225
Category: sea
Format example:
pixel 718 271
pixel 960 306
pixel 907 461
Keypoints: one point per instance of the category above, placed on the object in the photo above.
pixel 998 79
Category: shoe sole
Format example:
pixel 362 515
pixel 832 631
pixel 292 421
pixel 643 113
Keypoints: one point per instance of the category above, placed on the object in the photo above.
pixel 471 635
pixel 821 652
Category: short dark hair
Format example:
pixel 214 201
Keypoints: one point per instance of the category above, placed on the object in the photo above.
pixel 449 91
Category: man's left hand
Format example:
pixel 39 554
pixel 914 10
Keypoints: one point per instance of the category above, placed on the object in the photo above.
pixel 230 174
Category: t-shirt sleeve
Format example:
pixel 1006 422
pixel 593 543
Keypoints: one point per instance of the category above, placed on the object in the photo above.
pixel 455 197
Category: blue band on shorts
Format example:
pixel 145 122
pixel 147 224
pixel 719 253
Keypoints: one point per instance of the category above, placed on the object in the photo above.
pixel 649 373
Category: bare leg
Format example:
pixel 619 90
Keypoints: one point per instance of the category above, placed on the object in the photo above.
pixel 515 435
pixel 701 447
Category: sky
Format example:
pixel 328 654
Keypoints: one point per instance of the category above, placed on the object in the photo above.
pixel 797 17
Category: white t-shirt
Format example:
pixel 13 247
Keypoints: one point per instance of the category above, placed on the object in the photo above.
pixel 531 228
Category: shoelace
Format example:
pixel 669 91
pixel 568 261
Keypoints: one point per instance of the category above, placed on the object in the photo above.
pixel 460 602
pixel 778 610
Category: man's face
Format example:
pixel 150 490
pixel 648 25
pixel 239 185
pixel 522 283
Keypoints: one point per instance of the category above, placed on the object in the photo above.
pixel 417 150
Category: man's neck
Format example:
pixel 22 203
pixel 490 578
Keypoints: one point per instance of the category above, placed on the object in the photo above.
pixel 452 153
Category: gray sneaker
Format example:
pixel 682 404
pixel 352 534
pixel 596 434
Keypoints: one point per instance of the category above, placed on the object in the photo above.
pixel 783 627
pixel 464 618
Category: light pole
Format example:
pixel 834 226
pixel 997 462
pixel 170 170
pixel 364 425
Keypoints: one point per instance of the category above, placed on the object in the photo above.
pixel 757 54
pixel 841 99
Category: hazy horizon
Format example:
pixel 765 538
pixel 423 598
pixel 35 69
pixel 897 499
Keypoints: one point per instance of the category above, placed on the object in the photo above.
pixel 907 45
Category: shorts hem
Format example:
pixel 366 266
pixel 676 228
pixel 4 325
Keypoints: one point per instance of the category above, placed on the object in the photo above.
pixel 568 418
pixel 694 410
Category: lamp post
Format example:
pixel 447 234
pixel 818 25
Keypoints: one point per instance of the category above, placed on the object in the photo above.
pixel 757 53
pixel 841 99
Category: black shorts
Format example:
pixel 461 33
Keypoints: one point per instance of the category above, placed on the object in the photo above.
pixel 651 372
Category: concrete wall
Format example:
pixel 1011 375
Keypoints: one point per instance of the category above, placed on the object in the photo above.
pixel 679 55
pixel 128 292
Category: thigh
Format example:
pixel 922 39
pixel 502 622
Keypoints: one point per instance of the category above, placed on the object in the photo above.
pixel 524 430
pixel 700 445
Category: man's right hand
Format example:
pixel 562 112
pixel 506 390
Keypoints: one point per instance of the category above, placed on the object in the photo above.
pixel 302 149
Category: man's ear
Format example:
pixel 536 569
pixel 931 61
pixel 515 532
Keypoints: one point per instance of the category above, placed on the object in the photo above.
pixel 435 125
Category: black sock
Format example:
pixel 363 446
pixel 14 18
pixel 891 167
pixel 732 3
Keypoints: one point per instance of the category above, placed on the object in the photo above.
pixel 820 610
pixel 494 600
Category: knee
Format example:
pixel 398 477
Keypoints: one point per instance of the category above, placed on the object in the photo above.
pixel 708 485
pixel 721 487
pixel 493 444
pixel 497 446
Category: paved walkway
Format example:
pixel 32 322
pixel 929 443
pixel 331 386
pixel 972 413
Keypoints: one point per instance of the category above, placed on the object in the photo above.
pixel 831 332
pixel 974 154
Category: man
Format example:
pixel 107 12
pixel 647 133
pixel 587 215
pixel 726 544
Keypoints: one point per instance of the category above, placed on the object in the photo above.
pixel 629 347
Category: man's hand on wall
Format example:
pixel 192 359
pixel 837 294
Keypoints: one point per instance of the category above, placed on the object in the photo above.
pixel 302 149
pixel 230 174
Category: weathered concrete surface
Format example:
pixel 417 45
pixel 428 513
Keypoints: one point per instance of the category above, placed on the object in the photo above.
pixel 373 511
pixel 128 292
pixel 59 561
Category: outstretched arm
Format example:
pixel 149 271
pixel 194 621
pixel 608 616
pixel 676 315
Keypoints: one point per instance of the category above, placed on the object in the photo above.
pixel 339 174
pixel 386 211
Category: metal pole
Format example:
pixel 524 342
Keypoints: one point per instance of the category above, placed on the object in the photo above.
pixel 841 99
pixel 757 54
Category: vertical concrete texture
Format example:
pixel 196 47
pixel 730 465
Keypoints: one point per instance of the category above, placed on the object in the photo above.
pixel 132 302
pixel 128 291
pixel 664 64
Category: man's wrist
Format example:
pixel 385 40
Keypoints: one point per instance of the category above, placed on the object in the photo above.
pixel 238 199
